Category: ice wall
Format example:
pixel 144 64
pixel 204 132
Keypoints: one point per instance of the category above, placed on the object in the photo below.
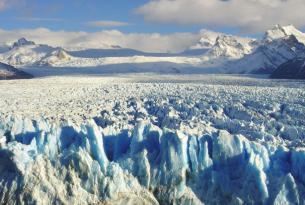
pixel 45 163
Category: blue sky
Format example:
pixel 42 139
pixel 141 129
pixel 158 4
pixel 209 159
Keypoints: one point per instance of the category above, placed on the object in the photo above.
pixel 163 16
pixel 74 16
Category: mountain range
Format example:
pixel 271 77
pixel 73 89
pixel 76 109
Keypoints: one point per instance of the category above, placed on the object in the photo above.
pixel 213 53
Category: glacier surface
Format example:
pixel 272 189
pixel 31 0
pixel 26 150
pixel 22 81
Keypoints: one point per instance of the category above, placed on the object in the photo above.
pixel 211 140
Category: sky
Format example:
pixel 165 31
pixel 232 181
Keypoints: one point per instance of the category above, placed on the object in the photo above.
pixel 86 15
pixel 149 25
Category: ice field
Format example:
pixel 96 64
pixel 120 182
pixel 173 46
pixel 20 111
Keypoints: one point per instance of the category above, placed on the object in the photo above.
pixel 152 139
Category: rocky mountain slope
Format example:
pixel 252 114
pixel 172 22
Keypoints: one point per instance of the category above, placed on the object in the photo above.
pixel 9 72
pixel 292 69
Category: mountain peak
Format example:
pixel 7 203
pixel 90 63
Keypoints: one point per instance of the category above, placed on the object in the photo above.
pixel 232 47
pixel 207 39
pixel 22 42
pixel 56 57
pixel 278 32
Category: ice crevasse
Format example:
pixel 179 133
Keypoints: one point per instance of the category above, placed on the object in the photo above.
pixel 46 163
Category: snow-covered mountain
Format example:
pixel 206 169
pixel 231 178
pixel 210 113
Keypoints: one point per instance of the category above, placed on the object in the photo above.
pixel 56 57
pixel 24 53
pixel 214 45
pixel 279 45
pixel 278 32
pixel 214 52
pixel 207 40
pixel 230 47
pixel 9 72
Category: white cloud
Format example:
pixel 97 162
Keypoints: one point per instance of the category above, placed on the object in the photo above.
pixel 150 42
pixel 247 15
pixel 107 23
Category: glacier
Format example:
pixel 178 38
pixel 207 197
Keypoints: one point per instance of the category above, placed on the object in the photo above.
pixel 152 139
pixel 49 163
pixel 88 130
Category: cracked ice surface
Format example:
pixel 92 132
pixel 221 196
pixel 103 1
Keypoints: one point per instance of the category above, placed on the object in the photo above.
pixel 160 139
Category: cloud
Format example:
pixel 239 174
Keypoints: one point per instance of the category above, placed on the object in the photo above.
pixel 107 23
pixel 150 42
pixel 246 15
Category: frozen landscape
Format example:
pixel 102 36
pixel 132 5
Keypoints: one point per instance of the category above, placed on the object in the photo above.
pixel 152 139
pixel 207 118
